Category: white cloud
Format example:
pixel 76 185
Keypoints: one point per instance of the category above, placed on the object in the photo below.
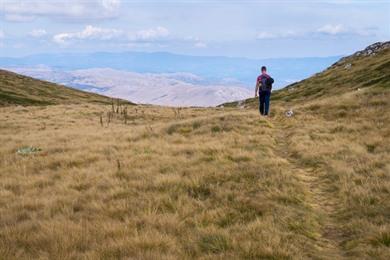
pixel 194 41
pixel 111 4
pixel 62 38
pixel 97 33
pixel 89 33
pixel 266 35
pixel 367 31
pixel 150 34
pixel 27 10
pixel 332 29
pixel 325 30
pixel 275 35
pixel 37 33
pixel 200 45
pixel 340 29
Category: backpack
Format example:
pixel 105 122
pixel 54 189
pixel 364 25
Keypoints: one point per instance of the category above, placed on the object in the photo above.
pixel 268 84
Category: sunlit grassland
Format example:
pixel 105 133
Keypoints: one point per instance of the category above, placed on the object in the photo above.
pixel 217 182
pixel 207 183
pixel 149 182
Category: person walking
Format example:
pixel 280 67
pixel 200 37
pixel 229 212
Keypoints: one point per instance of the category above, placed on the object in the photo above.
pixel 263 89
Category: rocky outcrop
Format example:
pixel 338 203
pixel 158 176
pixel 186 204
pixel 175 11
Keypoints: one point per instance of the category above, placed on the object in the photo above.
pixel 371 50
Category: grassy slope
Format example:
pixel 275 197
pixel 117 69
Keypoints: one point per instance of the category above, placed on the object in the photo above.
pixel 339 137
pixel 205 183
pixel 22 90
pixel 371 71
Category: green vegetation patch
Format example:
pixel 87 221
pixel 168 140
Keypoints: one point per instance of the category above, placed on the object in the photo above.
pixel 28 150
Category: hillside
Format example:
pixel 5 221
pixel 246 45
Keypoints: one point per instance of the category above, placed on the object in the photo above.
pixel 215 183
pixel 22 90
pixel 366 68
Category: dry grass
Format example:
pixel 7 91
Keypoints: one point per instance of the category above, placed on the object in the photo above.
pixel 203 185
pixel 210 183
pixel 343 144
pixel 163 183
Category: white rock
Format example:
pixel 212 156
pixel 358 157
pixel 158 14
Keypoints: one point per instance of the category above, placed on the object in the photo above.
pixel 289 113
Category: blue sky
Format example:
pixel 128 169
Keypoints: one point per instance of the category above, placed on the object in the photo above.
pixel 258 29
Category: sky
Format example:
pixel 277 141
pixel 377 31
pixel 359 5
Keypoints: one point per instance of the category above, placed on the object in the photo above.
pixel 254 29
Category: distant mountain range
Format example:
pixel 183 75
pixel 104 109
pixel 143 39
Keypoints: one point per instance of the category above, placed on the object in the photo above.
pixel 174 89
pixel 237 70
pixel 164 78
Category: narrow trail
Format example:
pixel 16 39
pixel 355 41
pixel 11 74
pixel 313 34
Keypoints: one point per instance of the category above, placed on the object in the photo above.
pixel 320 198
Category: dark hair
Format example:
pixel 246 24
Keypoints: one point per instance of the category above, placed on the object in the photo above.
pixel 263 68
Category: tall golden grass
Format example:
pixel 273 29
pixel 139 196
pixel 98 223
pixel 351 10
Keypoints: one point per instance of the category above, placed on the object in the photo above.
pixel 197 183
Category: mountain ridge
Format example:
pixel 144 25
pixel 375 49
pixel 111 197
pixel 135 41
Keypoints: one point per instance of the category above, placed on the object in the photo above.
pixel 16 89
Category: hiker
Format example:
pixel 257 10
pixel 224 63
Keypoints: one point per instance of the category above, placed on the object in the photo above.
pixel 263 89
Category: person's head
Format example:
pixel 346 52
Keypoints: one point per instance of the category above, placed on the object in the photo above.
pixel 263 69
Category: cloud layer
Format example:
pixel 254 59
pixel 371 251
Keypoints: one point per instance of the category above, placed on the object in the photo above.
pixel 27 10
pixel 332 29
pixel 325 30
pixel 38 33
pixel 222 28
pixel 150 34
pixel 91 32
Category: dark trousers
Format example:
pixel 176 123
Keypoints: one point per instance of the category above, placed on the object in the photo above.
pixel 264 97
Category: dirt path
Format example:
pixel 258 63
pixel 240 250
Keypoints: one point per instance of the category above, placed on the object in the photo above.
pixel 320 198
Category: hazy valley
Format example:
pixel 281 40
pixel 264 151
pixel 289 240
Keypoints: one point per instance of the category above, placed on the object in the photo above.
pixel 171 89
pixel 163 78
